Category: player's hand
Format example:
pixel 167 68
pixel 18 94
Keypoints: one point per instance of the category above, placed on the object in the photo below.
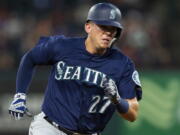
pixel 110 90
pixel 18 106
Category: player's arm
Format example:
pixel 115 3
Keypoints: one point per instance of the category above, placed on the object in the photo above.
pixel 126 93
pixel 129 88
pixel 132 113
pixel 39 55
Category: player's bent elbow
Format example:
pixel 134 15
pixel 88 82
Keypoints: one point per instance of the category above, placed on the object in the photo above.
pixel 130 118
pixel 131 115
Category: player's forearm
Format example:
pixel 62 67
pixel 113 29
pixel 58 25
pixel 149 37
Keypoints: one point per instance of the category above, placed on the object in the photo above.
pixel 132 113
pixel 24 74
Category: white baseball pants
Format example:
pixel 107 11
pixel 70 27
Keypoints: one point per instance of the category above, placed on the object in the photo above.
pixel 39 126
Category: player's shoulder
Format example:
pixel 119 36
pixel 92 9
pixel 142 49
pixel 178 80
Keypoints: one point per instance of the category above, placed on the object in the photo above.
pixel 60 41
pixel 65 40
pixel 53 38
pixel 56 38
pixel 120 56
pixel 49 39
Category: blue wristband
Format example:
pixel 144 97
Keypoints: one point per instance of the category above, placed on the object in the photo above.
pixel 122 106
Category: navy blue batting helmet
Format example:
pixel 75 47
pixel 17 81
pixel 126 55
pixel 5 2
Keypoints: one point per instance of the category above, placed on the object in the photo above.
pixel 106 14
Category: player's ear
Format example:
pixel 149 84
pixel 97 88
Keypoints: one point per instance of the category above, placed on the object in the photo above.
pixel 87 27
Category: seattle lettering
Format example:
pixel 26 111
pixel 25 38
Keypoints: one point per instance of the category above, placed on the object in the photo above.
pixel 83 74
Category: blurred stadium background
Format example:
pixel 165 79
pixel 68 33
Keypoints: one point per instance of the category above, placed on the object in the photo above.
pixel 151 37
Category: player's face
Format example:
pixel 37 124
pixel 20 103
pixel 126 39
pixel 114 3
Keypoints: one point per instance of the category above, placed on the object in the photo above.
pixel 101 36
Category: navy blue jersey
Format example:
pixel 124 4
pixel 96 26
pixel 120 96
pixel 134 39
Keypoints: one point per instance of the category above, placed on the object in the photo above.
pixel 74 96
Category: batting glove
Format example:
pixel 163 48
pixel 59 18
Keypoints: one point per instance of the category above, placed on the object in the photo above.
pixel 18 106
pixel 110 90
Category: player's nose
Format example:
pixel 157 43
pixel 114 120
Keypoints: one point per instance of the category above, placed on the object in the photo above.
pixel 109 34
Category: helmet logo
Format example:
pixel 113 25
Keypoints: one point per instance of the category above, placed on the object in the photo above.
pixel 112 14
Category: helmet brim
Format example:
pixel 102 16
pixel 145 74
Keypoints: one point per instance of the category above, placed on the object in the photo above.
pixel 108 23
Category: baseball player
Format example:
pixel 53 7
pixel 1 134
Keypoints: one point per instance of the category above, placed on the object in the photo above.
pixel 89 79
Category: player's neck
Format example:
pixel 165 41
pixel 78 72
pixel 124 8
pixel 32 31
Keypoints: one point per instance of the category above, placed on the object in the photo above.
pixel 92 49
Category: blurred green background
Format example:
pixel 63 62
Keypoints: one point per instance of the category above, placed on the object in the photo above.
pixel 160 108
pixel 150 38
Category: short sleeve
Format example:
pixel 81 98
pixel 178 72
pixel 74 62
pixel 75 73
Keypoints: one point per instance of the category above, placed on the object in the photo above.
pixel 129 85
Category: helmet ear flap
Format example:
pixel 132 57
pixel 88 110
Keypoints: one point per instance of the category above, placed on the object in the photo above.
pixel 112 42
pixel 117 36
pixel 118 33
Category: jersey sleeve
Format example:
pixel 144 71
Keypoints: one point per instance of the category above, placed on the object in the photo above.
pixel 129 85
pixel 42 54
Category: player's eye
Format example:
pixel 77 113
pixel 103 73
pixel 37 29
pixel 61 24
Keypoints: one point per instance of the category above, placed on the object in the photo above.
pixel 103 28
pixel 107 28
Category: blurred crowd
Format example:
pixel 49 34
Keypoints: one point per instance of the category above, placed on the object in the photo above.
pixel 151 33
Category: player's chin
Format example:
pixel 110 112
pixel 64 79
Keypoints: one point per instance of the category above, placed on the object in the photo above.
pixel 105 45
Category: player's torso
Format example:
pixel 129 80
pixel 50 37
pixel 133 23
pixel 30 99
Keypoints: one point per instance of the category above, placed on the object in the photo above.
pixel 76 87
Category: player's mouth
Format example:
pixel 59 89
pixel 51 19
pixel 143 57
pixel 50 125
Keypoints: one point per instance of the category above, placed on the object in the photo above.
pixel 106 40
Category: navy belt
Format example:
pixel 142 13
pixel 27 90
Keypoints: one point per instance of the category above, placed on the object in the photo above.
pixel 68 132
